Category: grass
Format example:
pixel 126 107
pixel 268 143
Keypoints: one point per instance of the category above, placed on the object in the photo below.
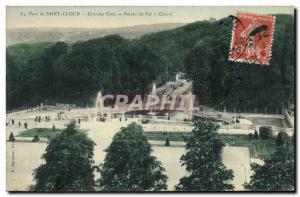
pixel 258 148
pixel 40 132
pixel 161 136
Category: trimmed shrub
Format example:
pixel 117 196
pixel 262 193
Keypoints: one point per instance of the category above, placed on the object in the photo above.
pixel 36 138
pixel 256 135
pixel 167 142
pixel 282 138
pixel 251 136
pixel 11 137
pixel 265 132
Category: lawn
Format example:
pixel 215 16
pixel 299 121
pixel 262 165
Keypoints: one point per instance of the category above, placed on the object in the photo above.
pixel 258 148
pixel 40 132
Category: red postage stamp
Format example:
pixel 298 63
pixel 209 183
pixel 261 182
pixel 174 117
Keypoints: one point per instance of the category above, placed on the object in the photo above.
pixel 252 38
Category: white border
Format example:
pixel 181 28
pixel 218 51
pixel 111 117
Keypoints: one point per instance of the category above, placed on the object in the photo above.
pixel 4 3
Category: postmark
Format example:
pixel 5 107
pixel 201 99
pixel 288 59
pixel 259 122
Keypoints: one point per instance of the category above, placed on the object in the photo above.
pixel 252 38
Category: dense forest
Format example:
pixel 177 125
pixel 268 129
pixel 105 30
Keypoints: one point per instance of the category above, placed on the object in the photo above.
pixel 74 73
pixel 221 83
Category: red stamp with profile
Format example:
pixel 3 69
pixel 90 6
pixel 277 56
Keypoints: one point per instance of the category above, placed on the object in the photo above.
pixel 252 38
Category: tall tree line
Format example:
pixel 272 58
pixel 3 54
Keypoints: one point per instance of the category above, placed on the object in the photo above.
pixel 221 83
pixel 75 73
pixel 62 72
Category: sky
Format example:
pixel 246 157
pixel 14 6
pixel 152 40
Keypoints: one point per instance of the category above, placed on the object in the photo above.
pixel 122 16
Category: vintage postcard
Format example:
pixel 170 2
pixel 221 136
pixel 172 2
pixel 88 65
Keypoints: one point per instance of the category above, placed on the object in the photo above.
pixel 150 99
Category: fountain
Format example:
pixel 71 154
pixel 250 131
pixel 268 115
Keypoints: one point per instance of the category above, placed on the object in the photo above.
pixel 188 102
pixel 98 105
pixel 153 92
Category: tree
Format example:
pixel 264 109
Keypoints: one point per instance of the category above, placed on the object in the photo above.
pixel 281 139
pixel 74 72
pixel 167 143
pixel 69 163
pixel 11 137
pixel 35 138
pixel 206 171
pixel 216 80
pixel 250 135
pixel 256 135
pixel 265 132
pixel 129 165
pixel 277 174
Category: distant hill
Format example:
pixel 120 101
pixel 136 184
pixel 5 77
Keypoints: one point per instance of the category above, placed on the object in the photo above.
pixel 71 35
pixel 75 72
